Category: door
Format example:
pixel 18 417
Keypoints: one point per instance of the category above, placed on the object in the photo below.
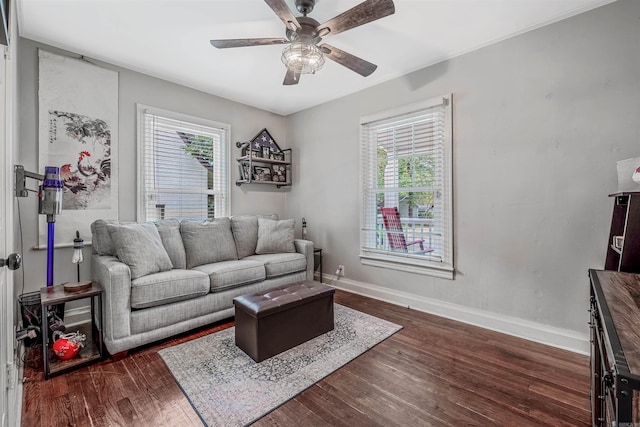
pixel 10 389
pixel 6 322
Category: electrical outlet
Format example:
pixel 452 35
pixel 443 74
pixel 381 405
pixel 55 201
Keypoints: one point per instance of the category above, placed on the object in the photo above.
pixel 340 271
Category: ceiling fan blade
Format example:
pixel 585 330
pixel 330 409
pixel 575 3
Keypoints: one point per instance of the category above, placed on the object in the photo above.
pixel 359 65
pixel 367 11
pixel 284 13
pixel 223 44
pixel 291 78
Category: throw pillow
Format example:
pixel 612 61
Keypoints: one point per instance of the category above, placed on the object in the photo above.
pixel 100 238
pixel 169 230
pixel 275 237
pixel 245 233
pixel 207 242
pixel 140 247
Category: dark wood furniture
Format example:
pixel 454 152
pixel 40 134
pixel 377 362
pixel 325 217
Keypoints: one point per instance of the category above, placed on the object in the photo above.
pixel 93 347
pixel 623 250
pixel 615 348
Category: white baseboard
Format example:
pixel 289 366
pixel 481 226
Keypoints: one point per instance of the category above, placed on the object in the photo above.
pixel 538 332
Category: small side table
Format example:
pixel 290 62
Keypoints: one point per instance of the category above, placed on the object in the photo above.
pixel 93 349
pixel 317 261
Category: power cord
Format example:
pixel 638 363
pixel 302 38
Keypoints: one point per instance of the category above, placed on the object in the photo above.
pixel 335 278
pixel 31 330
pixel 21 241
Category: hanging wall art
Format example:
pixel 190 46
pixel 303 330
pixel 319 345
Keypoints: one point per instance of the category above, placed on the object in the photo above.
pixel 78 132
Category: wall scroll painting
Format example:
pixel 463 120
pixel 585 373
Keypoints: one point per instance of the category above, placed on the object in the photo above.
pixel 78 132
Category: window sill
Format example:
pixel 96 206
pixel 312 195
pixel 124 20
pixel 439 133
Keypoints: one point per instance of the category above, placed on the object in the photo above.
pixel 426 268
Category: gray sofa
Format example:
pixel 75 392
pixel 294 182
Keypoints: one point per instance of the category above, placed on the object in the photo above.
pixel 167 277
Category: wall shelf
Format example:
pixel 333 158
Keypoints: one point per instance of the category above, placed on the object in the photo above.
pixel 253 169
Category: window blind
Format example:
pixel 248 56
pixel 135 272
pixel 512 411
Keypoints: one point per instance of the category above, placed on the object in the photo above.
pixel 406 164
pixel 184 168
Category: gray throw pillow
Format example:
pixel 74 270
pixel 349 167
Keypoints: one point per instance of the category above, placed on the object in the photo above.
pixel 140 247
pixel 207 242
pixel 245 233
pixel 169 230
pixel 100 238
pixel 275 237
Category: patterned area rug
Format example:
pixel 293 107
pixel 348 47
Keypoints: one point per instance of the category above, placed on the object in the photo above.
pixel 227 388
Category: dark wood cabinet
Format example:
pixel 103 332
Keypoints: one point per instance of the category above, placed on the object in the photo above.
pixel 615 348
pixel 623 250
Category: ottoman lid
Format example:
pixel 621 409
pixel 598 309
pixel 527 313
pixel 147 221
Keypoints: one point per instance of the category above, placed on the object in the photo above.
pixel 281 298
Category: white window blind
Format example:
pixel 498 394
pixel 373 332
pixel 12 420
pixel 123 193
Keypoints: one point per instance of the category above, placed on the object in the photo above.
pixel 406 164
pixel 183 166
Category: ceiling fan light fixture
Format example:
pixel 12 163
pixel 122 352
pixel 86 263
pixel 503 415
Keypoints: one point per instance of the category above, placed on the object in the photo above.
pixel 323 32
pixel 303 57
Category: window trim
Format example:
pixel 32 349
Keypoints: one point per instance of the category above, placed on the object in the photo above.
pixel 384 259
pixel 141 109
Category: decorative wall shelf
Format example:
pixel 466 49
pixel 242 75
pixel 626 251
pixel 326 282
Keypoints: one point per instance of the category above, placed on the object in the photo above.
pixel 263 162
pixel 256 170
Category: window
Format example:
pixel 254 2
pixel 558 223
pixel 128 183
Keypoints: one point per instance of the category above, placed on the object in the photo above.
pixel 406 164
pixel 182 166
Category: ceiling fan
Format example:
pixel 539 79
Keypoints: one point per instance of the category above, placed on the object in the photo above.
pixel 304 55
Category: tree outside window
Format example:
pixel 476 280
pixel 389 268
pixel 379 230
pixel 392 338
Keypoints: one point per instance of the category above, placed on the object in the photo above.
pixel 406 164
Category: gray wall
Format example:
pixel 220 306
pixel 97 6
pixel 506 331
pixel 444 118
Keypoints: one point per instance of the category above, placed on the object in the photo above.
pixel 133 88
pixel 539 123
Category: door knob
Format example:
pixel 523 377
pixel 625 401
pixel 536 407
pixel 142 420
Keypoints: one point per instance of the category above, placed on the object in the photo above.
pixel 13 262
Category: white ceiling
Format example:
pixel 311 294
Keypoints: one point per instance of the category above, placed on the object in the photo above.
pixel 169 39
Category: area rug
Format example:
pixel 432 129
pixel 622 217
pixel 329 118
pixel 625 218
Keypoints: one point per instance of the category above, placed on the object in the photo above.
pixel 227 388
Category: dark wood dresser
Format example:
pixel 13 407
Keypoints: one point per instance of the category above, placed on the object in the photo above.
pixel 623 248
pixel 615 348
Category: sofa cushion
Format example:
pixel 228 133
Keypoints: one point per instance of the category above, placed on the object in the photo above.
pixel 208 241
pixel 275 237
pixel 101 239
pixel 245 233
pixel 276 265
pixel 230 274
pixel 169 230
pixel 140 247
pixel 167 287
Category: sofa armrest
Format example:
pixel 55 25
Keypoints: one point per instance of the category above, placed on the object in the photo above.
pixel 305 247
pixel 115 278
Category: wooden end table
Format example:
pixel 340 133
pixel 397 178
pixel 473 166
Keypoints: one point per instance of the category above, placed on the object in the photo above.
pixel 93 349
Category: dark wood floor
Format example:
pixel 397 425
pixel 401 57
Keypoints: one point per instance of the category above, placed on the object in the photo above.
pixel 433 372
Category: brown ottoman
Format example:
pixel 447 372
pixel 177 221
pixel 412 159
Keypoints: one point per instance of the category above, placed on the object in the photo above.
pixel 275 320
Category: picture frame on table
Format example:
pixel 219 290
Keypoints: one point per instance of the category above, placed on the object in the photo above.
pixel 265 152
pixel 279 173
pixel 261 173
